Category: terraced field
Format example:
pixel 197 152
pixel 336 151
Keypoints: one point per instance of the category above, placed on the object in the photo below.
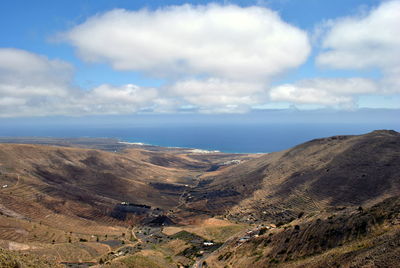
pixel 335 171
pixel 58 202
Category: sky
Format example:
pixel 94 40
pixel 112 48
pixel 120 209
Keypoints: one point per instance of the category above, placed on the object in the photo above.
pixel 127 57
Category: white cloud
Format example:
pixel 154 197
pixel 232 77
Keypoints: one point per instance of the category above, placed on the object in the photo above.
pixel 371 40
pixel 124 94
pixel 29 83
pixel 33 85
pixel 221 41
pixel 323 91
pixel 218 95
pixel 125 99
pixel 23 73
pixel 367 41
pixel 216 58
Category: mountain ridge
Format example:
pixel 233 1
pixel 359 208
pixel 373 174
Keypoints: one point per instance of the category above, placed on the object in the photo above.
pixel 316 174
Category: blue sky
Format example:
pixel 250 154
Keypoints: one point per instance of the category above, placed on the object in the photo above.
pixel 306 54
pixel 34 26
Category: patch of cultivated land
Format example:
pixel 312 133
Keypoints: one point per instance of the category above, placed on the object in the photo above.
pixel 212 229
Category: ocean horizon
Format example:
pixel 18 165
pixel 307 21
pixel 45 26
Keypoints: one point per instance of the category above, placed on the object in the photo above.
pixel 233 138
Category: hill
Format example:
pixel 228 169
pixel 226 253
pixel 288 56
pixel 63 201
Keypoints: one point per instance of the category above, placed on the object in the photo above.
pixel 84 206
pixel 357 238
pixel 10 259
pixel 70 204
pixel 322 173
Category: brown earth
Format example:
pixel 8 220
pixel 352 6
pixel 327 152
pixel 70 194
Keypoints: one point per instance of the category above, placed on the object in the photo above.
pixel 358 238
pixel 55 200
pixel 63 199
pixel 330 172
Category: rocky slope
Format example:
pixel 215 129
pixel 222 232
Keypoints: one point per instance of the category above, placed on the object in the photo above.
pixel 357 238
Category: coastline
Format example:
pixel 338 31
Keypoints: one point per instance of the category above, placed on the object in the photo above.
pixel 187 149
pixel 190 150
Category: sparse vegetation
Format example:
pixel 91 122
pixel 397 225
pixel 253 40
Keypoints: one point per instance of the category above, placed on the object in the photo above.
pixel 9 259
pixel 56 190
pixel 141 262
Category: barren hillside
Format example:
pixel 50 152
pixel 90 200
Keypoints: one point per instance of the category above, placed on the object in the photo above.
pixel 136 205
pixel 322 173
pixel 351 238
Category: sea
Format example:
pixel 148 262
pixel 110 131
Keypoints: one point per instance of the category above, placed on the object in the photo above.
pixel 230 138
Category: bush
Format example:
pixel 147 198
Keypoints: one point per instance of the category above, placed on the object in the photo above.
pixel 262 231
pixel 273 260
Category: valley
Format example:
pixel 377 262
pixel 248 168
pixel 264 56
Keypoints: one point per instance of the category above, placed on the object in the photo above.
pixel 99 202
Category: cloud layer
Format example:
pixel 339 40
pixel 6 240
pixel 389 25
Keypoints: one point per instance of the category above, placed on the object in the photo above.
pixel 214 59
pixel 372 40
pixel 324 91
pixel 366 41
pixel 220 41
pixel 33 85
pixel 29 82
pixel 219 95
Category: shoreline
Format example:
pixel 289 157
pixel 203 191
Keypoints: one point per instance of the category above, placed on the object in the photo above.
pixel 101 142
pixel 191 150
